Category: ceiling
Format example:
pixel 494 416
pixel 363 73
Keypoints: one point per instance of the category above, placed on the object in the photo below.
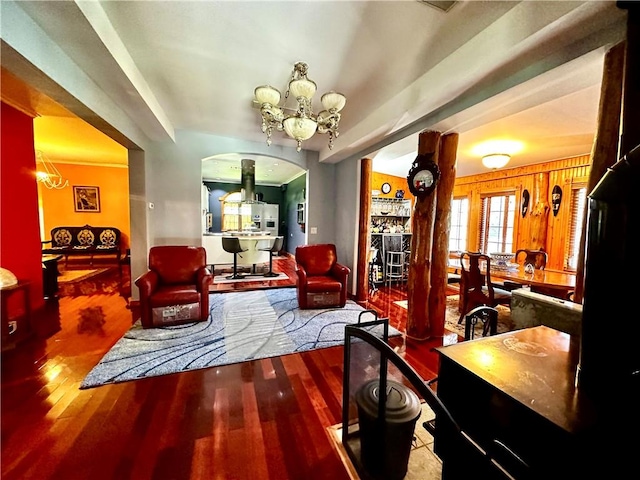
pixel 526 71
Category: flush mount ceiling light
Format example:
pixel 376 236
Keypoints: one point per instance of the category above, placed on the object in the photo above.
pixel 496 160
pixel 48 174
pixel 299 123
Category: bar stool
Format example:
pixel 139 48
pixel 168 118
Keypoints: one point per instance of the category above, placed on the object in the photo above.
pixel 394 267
pixel 274 248
pixel 232 245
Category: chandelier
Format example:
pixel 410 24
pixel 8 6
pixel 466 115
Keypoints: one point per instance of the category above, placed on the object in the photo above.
pixel 48 174
pixel 299 123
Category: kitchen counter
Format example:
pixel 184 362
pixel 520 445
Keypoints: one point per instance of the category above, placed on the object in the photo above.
pixel 252 241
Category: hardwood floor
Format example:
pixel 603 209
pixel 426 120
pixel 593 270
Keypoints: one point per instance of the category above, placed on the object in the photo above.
pixel 264 419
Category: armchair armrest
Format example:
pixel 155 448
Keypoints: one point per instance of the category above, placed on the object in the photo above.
pixel 340 271
pixel 203 279
pixel 302 275
pixel 147 283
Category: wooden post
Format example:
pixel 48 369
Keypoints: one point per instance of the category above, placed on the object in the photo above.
pixel 418 285
pixel 540 211
pixel 605 145
pixel 442 226
pixel 364 237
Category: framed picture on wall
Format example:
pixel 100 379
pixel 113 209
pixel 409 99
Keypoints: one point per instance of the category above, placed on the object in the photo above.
pixel 86 199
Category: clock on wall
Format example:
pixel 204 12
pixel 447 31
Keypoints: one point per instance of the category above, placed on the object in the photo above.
pixel 423 176
pixel 386 187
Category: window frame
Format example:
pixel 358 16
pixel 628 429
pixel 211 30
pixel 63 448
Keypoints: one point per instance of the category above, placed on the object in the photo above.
pixel 461 242
pixel 575 220
pixel 483 220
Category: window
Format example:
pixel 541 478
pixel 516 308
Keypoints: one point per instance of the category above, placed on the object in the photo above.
pixel 459 224
pixel 577 212
pixel 497 219
pixel 235 215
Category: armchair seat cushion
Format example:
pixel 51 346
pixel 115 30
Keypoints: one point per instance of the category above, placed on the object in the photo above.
pixel 322 283
pixel 174 295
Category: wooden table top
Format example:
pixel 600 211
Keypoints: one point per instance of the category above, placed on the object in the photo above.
pixel 542 278
pixel 535 366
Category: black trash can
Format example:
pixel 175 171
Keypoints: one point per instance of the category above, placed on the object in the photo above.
pixel 385 447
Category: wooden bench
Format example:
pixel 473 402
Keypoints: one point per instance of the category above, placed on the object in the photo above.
pixel 85 240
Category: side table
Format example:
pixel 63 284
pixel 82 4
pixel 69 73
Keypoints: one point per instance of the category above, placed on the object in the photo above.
pixel 50 275
pixel 15 317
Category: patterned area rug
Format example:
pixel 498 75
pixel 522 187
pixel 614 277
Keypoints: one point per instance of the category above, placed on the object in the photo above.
pixel 79 275
pixel 105 281
pixel 452 315
pixel 241 326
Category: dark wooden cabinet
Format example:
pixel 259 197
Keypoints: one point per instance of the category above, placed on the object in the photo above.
pixel 518 390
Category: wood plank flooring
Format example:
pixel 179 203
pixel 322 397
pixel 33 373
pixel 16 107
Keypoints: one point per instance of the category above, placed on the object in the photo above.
pixel 264 419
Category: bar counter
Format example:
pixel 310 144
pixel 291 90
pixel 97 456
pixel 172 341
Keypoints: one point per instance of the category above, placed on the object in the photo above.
pixel 251 240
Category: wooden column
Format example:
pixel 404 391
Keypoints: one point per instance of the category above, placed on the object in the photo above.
pixel 418 285
pixel 364 236
pixel 539 212
pixel 605 145
pixel 441 228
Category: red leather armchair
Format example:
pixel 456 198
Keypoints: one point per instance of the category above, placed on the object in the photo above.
pixel 322 281
pixel 176 287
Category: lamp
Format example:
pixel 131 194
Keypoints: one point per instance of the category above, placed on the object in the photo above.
pixel 7 278
pixel 48 174
pixel 496 160
pixel 301 123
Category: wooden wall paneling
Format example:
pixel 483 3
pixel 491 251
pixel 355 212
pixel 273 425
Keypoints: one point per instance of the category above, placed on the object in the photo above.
pixel 540 211
pixel 554 229
pixel 555 243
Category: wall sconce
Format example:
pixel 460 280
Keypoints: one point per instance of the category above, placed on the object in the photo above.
pixel 496 160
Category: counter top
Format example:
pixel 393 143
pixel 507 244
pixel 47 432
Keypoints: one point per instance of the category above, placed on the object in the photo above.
pixel 236 234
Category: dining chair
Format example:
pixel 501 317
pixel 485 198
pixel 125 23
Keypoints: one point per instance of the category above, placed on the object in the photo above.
pixel 537 258
pixel 476 288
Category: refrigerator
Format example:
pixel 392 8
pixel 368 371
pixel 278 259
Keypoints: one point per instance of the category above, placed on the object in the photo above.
pixel 270 221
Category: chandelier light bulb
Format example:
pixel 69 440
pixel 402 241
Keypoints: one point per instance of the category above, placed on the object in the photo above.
pixel 302 88
pixel 333 100
pixel 267 94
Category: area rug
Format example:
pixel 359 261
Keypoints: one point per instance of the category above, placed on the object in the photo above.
pixel 241 326
pixel 79 275
pixel 452 315
pixel 104 281
pixel 250 278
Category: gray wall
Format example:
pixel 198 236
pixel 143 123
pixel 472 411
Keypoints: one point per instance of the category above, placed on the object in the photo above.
pixel 347 200
pixel 295 194
pixel 167 173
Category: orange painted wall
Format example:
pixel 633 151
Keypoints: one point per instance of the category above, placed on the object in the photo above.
pixel 397 183
pixel 58 207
